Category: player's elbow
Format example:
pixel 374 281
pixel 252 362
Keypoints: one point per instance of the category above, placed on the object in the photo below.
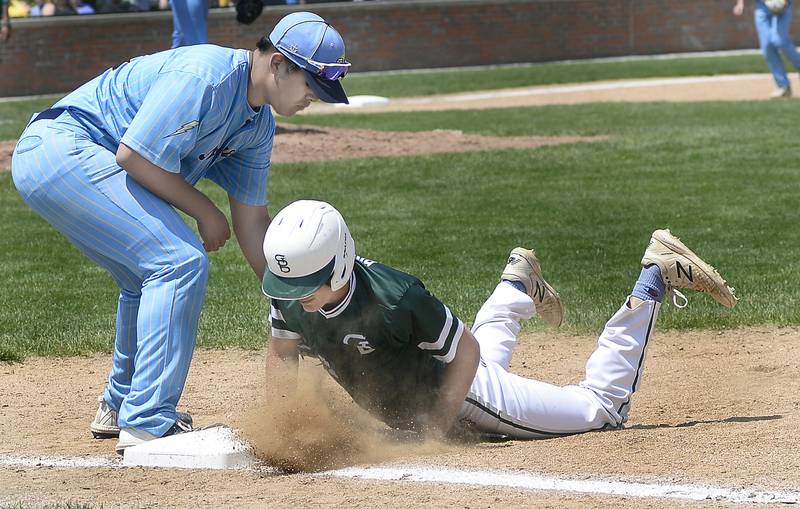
pixel 126 157
pixel 468 353
pixel 123 155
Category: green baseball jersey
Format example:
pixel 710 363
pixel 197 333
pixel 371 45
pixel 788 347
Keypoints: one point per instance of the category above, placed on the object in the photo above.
pixel 386 343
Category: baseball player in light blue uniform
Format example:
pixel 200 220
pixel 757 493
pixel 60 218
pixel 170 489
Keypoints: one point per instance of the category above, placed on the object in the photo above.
pixel 110 163
pixel 773 38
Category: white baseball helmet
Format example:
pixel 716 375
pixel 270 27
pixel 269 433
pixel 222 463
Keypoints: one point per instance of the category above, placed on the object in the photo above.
pixel 307 244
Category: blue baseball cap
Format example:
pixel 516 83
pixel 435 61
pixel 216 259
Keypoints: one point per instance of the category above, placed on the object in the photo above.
pixel 316 47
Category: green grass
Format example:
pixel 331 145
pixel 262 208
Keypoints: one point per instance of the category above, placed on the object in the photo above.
pixel 9 353
pixel 720 175
pixel 16 114
pixel 407 84
pixel 702 170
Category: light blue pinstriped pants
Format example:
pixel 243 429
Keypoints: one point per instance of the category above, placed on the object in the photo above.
pixel 189 22
pixel 155 258
pixel 773 35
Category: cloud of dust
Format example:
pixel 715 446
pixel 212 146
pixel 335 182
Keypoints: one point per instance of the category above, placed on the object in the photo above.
pixel 315 430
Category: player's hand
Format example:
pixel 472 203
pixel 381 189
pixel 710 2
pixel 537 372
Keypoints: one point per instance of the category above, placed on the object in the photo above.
pixel 214 229
pixel 738 9
pixel 5 32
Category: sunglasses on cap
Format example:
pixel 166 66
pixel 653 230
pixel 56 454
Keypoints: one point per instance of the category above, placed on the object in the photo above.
pixel 330 72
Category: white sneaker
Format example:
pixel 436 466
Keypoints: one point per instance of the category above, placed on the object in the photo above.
pixel 781 92
pixel 129 437
pixel 105 425
pixel 523 266
pixel 681 268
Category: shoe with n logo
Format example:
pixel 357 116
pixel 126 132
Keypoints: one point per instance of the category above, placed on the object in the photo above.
pixel 523 266
pixel 681 268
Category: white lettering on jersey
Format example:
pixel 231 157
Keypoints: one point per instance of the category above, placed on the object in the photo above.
pixel 363 346
pixel 364 261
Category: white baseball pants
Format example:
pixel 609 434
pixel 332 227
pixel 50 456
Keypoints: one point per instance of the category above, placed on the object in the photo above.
pixel 503 403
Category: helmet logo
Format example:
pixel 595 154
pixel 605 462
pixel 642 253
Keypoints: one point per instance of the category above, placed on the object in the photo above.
pixel 283 265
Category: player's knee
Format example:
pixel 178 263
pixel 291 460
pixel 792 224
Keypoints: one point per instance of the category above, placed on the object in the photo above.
pixel 196 266
pixel 130 293
pixel 778 40
pixel 190 270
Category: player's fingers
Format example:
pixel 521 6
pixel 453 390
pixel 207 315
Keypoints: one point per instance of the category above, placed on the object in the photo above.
pixel 221 241
pixel 210 245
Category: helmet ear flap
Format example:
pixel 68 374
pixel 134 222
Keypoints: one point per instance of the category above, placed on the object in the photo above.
pixel 345 258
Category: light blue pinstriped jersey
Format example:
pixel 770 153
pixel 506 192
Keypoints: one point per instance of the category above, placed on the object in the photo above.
pixel 186 111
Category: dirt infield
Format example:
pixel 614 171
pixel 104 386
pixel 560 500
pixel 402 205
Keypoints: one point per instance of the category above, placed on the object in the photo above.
pixel 296 143
pixel 715 407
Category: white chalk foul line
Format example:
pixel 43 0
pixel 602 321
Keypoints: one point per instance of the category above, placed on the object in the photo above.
pixel 10 460
pixel 532 481
pixel 527 481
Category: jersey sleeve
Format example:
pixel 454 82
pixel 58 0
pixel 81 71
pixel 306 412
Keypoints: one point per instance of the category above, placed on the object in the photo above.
pixel 280 329
pixel 167 124
pixel 244 174
pixel 433 326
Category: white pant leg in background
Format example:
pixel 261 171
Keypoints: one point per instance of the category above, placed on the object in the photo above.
pixel 504 403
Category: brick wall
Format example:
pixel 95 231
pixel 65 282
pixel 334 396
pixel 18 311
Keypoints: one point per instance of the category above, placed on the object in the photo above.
pixel 58 54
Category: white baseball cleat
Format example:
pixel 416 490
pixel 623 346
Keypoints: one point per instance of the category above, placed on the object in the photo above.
pixel 681 268
pixel 523 266
pixel 781 92
pixel 129 437
pixel 105 425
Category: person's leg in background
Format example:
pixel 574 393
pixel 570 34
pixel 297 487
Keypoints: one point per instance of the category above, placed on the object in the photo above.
pixel 189 22
pixel 784 39
pixel 179 11
pixel 767 28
